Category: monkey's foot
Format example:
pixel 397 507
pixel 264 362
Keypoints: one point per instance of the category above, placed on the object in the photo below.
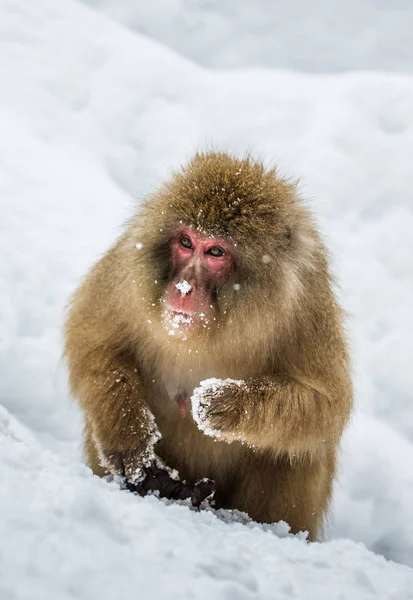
pixel 158 480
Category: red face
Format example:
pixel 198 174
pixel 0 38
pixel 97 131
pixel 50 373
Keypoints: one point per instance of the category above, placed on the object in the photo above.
pixel 199 264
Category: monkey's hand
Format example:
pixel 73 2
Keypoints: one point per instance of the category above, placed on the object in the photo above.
pixel 218 408
pixel 165 482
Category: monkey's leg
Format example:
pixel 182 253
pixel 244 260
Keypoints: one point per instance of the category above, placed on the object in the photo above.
pixel 271 490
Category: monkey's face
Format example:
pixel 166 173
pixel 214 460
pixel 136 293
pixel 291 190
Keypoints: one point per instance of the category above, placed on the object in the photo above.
pixel 223 242
pixel 201 265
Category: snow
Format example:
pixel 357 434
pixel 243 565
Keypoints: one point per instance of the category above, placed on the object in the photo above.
pixel 80 537
pixel 183 287
pixel 329 36
pixel 92 116
pixel 176 322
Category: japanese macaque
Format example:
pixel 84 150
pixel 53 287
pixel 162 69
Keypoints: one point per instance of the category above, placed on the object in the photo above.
pixel 209 339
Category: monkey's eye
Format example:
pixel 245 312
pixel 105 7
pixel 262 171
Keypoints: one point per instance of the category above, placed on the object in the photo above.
pixel 216 251
pixel 185 242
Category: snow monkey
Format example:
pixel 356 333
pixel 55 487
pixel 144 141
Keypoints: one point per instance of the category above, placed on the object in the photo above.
pixel 209 338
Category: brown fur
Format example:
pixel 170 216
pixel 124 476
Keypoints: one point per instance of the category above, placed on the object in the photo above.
pixel 281 332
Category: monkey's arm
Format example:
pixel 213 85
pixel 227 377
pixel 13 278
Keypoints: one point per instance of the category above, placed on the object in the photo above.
pixel 104 375
pixel 118 421
pixel 277 412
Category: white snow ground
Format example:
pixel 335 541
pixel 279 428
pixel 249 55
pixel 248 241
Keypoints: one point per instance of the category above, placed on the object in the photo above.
pixel 92 115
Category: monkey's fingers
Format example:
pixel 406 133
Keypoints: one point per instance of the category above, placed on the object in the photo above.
pixel 158 480
pixel 203 490
pixel 201 402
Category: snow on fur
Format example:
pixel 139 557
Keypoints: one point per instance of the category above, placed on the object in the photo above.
pixel 202 398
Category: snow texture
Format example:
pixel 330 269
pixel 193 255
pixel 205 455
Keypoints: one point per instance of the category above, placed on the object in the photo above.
pixel 92 116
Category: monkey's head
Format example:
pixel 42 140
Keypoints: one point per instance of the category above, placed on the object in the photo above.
pixel 223 240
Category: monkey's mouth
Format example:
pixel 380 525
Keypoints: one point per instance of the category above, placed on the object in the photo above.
pixel 178 320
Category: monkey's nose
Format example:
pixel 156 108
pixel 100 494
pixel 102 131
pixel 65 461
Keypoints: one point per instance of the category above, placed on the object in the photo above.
pixel 184 287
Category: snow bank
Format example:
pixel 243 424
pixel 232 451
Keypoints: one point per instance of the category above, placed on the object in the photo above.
pixel 316 36
pixel 91 117
pixel 70 535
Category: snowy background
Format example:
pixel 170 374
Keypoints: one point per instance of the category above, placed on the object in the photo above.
pixel 98 100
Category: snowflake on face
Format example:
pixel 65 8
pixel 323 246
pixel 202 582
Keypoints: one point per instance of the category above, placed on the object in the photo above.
pixel 183 287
